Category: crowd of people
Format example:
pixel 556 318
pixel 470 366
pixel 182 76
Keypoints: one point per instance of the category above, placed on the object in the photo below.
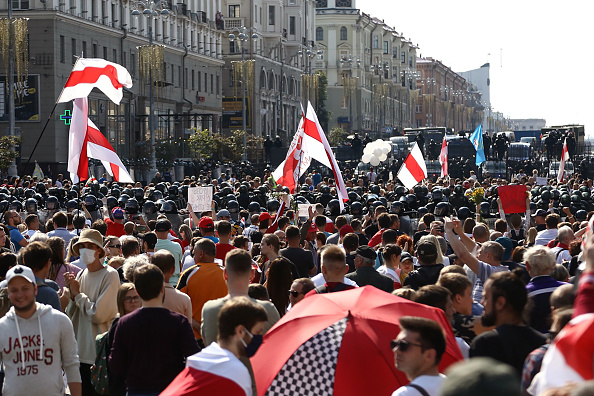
pixel 126 290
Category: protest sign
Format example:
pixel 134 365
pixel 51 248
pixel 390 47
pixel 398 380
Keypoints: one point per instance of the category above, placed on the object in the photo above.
pixel 200 198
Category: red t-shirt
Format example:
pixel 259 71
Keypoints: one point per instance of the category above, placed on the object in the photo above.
pixel 114 229
pixel 222 250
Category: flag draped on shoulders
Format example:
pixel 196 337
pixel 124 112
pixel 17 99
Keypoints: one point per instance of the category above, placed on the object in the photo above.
pixel 477 141
pixel 91 73
pixel 414 169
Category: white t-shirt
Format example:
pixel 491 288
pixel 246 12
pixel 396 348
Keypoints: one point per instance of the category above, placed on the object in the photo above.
pixel 431 383
pixel 319 280
pixel 545 236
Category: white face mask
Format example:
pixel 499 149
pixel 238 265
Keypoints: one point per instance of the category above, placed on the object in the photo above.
pixel 87 256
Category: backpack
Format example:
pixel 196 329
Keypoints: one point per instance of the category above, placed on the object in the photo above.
pixel 517 237
pixel 99 378
pixel 5 303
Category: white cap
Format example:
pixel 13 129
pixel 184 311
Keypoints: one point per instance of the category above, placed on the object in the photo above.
pixel 22 271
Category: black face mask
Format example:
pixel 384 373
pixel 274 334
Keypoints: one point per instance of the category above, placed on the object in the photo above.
pixel 254 344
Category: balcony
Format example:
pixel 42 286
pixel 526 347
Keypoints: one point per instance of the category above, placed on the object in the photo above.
pixel 234 23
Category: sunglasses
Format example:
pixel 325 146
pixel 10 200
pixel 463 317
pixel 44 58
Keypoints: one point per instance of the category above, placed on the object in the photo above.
pixel 132 299
pixel 115 246
pixel 294 293
pixel 403 345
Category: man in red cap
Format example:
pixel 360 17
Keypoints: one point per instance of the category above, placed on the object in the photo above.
pixel 115 227
pixel 206 226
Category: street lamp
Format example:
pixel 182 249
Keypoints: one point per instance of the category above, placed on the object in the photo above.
pixel 241 38
pixel 350 83
pixel 152 10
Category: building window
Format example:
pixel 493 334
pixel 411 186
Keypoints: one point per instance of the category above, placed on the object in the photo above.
pixel 20 4
pixel 73 45
pixel 133 62
pixel 386 47
pixel 343 33
pixel 375 42
pixel 319 33
pixel 292 25
pixel 395 51
pixel 193 80
pixel 84 48
pixel 232 49
pixel 205 82
pixel 271 15
pixel 403 57
pixel 343 3
pixel 115 55
pixel 62 50
pixel 256 13
pixel 410 61
pixel 199 81
pixel 218 85
pixel 211 83
pixel 322 3
pixel 104 52
pixel 234 11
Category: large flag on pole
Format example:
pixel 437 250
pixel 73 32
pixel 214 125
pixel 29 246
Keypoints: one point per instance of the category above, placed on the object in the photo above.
pixel 413 170
pixel 316 146
pixel 86 141
pixel 477 141
pixel 296 162
pixel 443 157
pixel 87 74
pixel 564 157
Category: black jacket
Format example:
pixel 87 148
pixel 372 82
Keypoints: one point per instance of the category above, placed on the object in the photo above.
pixel 425 275
pixel 369 276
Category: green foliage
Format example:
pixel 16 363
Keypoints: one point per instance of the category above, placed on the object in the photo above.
pixel 165 153
pixel 221 148
pixel 322 112
pixel 7 151
pixel 336 136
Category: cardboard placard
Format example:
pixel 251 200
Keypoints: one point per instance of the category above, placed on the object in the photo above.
pixel 304 209
pixel 513 198
pixel 541 181
pixel 200 198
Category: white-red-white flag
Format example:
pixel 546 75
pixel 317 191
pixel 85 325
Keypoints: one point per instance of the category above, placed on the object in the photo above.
pixel 86 141
pixel 564 157
pixel 443 157
pixel 413 170
pixel 87 74
pixel 570 359
pixel 295 164
pixel 315 145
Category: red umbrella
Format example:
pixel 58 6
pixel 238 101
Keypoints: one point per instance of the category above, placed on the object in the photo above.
pixel 339 343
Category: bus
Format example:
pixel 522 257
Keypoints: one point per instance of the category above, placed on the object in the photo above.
pixel 435 133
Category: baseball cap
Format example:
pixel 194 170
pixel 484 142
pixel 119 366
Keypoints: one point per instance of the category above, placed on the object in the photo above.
pixel 427 250
pixel 22 271
pixel 223 213
pixel 540 212
pixel 405 256
pixel 205 222
pixel 117 213
pixel 264 216
pixel 345 229
pixel 163 225
pixel 149 237
pixel 367 252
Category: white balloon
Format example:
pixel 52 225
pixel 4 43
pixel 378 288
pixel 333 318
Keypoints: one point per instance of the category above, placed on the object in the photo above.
pixel 383 157
pixel 377 152
pixel 374 161
pixel 366 158
pixel 385 150
pixel 368 149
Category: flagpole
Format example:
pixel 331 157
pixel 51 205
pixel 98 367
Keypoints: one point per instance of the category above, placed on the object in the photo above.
pixel 47 122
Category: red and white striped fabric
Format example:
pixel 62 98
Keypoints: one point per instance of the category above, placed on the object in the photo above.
pixel 295 164
pixel 443 157
pixel 316 146
pixel 564 157
pixel 213 371
pixel 570 358
pixel 86 141
pixel 92 73
pixel 413 170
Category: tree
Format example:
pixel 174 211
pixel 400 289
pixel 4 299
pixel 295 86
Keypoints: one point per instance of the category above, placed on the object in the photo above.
pixel 7 152
pixel 323 114
pixel 336 136
pixel 202 143
pixel 165 152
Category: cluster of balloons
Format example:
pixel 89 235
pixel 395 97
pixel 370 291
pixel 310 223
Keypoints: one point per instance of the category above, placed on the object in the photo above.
pixel 376 152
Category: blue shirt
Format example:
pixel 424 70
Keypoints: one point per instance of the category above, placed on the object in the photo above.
pixel 16 237
pixel 46 293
